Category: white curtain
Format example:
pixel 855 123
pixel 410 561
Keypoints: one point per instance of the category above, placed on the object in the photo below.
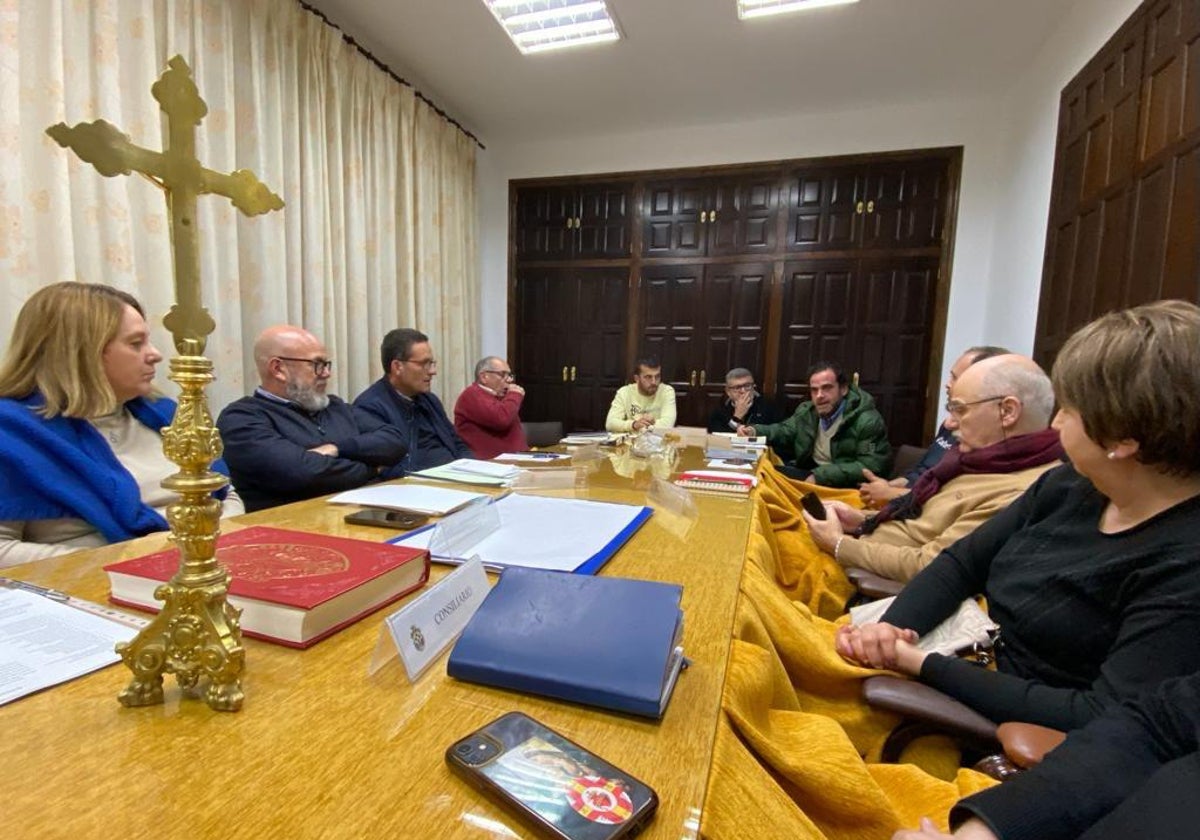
pixel 378 230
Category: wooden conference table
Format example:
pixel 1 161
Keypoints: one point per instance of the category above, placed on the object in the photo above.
pixel 321 749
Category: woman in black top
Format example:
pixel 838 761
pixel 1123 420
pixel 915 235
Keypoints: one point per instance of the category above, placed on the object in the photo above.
pixel 1133 772
pixel 1094 573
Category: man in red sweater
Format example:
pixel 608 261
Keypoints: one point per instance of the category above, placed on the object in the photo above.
pixel 486 414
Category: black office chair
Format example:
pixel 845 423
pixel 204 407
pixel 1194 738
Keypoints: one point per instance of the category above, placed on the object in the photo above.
pixel 547 433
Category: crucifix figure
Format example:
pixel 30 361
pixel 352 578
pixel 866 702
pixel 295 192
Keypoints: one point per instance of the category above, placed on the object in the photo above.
pixel 196 634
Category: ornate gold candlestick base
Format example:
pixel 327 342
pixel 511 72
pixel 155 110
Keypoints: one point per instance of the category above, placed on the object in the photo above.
pixel 196 634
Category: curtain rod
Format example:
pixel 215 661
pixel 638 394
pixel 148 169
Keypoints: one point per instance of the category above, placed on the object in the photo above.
pixel 370 57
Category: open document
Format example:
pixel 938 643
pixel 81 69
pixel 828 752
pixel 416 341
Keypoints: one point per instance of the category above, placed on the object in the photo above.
pixel 567 535
pixel 44 642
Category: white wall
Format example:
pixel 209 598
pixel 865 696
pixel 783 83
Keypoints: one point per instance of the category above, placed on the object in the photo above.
pixel 1027 161
pixel 1003 198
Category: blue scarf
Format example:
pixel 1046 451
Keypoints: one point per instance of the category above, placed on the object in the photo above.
pixel 63 467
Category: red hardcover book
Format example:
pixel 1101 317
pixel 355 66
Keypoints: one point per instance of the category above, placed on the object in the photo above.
pixel 717 482
pixel 293 587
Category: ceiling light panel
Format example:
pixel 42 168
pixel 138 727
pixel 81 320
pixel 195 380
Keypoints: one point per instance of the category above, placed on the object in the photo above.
pixel 762 8
pixel 541 25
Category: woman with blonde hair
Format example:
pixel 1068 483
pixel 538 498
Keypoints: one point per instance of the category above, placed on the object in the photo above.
pixel 81 460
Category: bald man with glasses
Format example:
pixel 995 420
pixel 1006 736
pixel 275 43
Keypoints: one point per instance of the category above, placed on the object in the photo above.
pixel 291 440
pixel 403 399
pixel 487 412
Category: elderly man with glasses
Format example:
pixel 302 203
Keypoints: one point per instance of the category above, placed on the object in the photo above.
pixel 998 411
pixel 290 440
pixel 487 413
pixel 743 405
pixel 403 399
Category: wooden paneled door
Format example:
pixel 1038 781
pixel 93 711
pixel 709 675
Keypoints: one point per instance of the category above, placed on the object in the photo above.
pixel 765 266
pixel 874 318
pixel 572 323
pixel 701 321
pixel 559 223
pixel 710 217
pixel 1125 204
pixel 894 205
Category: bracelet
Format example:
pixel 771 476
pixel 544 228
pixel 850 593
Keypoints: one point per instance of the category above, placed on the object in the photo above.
pixel 837 546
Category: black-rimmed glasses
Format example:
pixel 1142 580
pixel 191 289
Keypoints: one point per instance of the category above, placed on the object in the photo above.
pixel 506 375
pixel 319 366
pixel 745 386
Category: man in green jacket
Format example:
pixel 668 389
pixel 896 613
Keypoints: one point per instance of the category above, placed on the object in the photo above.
pixel 835 435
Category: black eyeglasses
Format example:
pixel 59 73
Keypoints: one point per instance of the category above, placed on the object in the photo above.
pixel 958 409
pixel 506 375
pixel 745 386
pixel 319 366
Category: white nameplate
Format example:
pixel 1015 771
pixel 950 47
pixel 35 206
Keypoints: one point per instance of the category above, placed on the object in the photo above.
pixel 426 626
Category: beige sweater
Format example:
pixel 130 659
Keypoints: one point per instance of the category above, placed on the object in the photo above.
pixel 900 549
pixel 139 449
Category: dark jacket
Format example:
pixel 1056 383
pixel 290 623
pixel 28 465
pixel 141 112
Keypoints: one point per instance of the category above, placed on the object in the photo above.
pixel 421 422
pixel 1141 759
pixel 860 442
pixel 762 412
pixel 267 443
pixel 942 441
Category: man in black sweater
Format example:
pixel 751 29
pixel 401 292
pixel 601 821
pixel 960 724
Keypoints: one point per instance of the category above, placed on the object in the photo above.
pixel 743 405
pixel 403 400
pixel 290 440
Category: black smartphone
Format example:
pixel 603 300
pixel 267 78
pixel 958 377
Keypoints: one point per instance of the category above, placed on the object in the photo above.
pixel 401 520
pixel 813 504
pixel 553 785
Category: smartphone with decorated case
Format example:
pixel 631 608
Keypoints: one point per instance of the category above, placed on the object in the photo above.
pixel 550 783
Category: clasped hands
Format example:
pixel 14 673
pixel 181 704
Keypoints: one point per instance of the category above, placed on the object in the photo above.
pixel 642 421
pixel 880 645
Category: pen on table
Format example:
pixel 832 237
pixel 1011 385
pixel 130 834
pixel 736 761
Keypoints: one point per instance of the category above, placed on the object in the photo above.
pixel 44 591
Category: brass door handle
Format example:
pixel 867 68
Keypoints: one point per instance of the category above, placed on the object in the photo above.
pixel 871 206
pixel 577 221
pixel 702 373
pixel 703 216
pixel 693 379
pixel 564 373
pixel 858 208
pixel 572 373
pixel 570 223
pixel 712 215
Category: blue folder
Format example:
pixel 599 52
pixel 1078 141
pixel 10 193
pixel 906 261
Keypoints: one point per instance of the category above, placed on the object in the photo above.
pixel 600 641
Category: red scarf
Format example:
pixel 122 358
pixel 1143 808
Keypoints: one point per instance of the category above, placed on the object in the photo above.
pixel 1008 456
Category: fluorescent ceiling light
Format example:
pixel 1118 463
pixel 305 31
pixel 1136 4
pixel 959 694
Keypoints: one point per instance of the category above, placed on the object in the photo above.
pixel 541 25
pixel 761 8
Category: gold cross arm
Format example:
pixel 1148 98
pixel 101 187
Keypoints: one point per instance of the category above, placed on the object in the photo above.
pixel 243 188
pixel 105 147
pixel 113 153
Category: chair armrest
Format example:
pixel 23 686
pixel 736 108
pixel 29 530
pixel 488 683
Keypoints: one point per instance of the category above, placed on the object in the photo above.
pixel 873 586
pixel 1027 743
pixel 917 700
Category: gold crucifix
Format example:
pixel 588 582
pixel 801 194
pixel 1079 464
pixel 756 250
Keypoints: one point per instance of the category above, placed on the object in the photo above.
pixel 196 634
